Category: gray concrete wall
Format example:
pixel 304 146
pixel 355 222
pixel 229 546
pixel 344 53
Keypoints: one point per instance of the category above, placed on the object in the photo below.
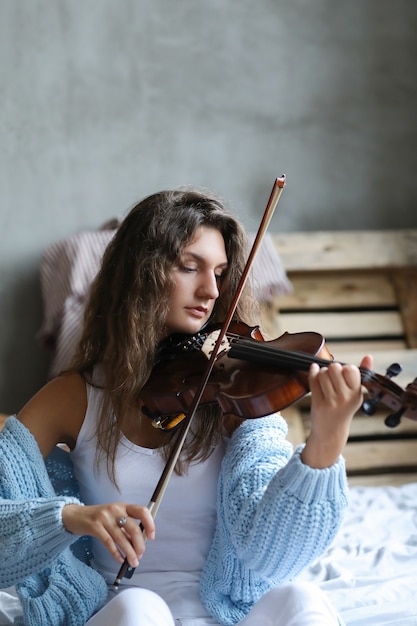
pixel 103 102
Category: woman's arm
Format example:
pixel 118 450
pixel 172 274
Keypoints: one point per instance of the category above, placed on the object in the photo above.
pixel 36 525
pixel 277 512
pixel 56 413
pixel 32 535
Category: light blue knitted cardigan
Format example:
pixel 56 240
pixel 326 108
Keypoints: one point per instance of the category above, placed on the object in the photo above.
pixel 55 587
pixel 275 515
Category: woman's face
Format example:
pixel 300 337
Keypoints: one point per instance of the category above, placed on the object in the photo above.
pixel 197 282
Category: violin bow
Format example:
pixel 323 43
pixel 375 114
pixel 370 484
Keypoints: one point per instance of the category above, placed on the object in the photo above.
pixel 126 570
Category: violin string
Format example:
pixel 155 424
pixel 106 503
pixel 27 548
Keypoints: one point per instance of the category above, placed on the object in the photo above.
pixel 252 349
pixel 267 354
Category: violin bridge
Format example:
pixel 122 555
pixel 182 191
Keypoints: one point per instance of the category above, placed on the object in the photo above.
pixel 210 342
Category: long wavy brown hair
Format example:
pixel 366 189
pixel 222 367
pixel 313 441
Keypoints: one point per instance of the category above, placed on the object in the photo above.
pixel 127 308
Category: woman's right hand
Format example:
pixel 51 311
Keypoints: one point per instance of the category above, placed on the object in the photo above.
pixel 103 522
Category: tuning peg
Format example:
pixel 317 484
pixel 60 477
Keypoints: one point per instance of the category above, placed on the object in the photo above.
pixel 369 406
pixel 394 419
pixel 393 370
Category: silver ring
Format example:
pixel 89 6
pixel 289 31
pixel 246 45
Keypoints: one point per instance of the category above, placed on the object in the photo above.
pixel 122 521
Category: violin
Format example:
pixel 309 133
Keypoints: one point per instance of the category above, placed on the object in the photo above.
pixel 252 377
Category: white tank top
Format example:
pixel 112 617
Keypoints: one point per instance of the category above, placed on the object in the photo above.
pixel 185 520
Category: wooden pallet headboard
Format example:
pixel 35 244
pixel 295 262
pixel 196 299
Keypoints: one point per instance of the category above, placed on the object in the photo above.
pixel 358 290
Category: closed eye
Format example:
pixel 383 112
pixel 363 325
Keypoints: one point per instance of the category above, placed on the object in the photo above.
pixel 184 268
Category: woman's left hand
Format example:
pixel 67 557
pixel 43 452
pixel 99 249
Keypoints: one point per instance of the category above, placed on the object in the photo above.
pixel 336 395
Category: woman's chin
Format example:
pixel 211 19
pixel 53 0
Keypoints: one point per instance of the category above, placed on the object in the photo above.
pixel 189 328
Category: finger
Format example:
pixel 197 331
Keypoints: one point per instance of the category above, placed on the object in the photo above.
pixel 137 525
pixel 142 514
pixel 351 376
pixel 313 378
pixel 132 552
pixel 321 386
pixel 341 379
pixel 335 384
pixel 118 545
pixel 133 547
pixel 135 536
pixel 367 362
pixel 116 537
pixel 338 376
pixel 330 379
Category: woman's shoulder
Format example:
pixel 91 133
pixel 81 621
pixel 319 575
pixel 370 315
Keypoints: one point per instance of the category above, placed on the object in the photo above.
pixel 56 412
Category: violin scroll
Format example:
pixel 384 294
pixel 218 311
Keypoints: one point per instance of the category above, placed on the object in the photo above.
pixel 369 406
pixel 409 407
pixel 383 391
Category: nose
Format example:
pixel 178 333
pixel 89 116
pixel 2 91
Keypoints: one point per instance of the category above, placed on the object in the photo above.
pixel 208 287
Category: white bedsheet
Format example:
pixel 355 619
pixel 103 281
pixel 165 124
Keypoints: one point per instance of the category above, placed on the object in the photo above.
pixel 9 607
pixel 369 571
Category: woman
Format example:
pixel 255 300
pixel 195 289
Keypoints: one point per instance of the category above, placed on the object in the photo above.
pixel 242 514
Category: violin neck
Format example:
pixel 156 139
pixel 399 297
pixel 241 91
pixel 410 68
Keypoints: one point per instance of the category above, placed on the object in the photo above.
pixel 381 388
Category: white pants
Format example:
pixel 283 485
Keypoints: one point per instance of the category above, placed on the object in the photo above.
pixel 292 604
pixel 133 607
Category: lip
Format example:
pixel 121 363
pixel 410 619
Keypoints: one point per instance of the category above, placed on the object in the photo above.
pixel 197 311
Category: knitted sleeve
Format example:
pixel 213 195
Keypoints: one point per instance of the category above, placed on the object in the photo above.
pixel 53 585
pixel 31 536
pixel 275 515
pixel 279 513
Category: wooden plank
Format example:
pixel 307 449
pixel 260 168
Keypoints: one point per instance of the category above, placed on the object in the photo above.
pixel 364 456
pixel 344 324
pixel 383 359
pixel 356 348
pixel 322 250
pixel 374 426
pixel 364 346
pixel 270 319
pixel 353 290
pixel 406 287
pixel 367 427
pixel 383 480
